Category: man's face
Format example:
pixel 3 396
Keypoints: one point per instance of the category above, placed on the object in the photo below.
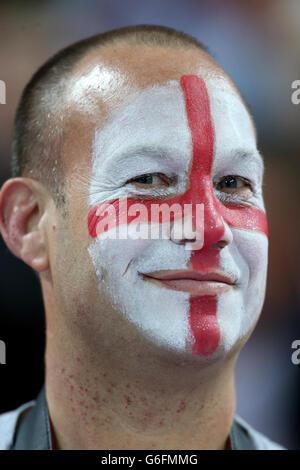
pixel 183 137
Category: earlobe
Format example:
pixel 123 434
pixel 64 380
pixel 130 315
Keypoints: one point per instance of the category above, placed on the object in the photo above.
pixel 20 222
pixel 33 251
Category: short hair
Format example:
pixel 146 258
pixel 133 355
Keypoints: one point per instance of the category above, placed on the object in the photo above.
pixel 38 135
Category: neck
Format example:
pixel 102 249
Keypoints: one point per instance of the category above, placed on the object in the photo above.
pixel 146 402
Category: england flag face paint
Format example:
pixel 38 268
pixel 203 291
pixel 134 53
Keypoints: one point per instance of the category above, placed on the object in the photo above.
pixel 198 136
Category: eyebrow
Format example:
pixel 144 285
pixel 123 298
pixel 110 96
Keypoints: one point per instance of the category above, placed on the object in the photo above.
pixel 169 156
pixel 249 155
pixel 159 152
pixel 146 151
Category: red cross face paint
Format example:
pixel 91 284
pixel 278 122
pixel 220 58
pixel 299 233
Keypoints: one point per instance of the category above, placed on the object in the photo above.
pixel 197 135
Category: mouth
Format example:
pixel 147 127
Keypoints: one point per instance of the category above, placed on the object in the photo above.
pixel 195 283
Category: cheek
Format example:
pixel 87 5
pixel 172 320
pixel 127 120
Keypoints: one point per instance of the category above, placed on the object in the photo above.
pixel 121 259
pixel 238 312
pixel 112 258
pixel 161 314
pixel 253 248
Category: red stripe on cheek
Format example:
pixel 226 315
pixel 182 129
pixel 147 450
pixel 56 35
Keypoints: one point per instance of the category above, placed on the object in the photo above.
pixel 204 327
pixel 92 222
pixel 247 218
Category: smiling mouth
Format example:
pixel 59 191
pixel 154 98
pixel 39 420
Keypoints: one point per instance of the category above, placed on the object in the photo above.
pixel 195 283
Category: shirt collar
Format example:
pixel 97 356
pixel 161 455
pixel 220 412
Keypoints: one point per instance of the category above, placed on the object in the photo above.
pixel 34 431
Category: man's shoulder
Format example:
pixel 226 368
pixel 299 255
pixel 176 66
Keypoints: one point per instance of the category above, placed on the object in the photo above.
pixel 8 424
pixel 245 437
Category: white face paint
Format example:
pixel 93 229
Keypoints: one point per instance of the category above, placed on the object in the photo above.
pixel 149 133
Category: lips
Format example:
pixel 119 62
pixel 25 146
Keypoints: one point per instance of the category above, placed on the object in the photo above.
pixel 195 283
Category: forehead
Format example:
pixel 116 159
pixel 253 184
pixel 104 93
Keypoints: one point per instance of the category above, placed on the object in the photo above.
pixel 130 97
pixel 104 78
pixel 154 120
pixel 142 66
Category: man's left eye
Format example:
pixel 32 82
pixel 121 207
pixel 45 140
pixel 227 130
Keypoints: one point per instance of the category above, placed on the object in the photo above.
pixel 235 184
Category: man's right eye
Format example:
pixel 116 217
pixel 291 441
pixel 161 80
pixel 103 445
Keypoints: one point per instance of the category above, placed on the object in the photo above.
pixel 150 179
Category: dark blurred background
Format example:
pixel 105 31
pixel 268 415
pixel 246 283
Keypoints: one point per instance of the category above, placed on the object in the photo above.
pixel 258 44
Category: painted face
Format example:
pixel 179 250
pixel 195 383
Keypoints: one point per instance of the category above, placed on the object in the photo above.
pixel 197 136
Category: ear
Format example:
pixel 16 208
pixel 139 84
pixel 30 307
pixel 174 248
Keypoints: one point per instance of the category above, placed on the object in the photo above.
pixel 21 225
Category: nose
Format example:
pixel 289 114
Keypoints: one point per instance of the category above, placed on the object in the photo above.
pixel 207 232
pixel 217 233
